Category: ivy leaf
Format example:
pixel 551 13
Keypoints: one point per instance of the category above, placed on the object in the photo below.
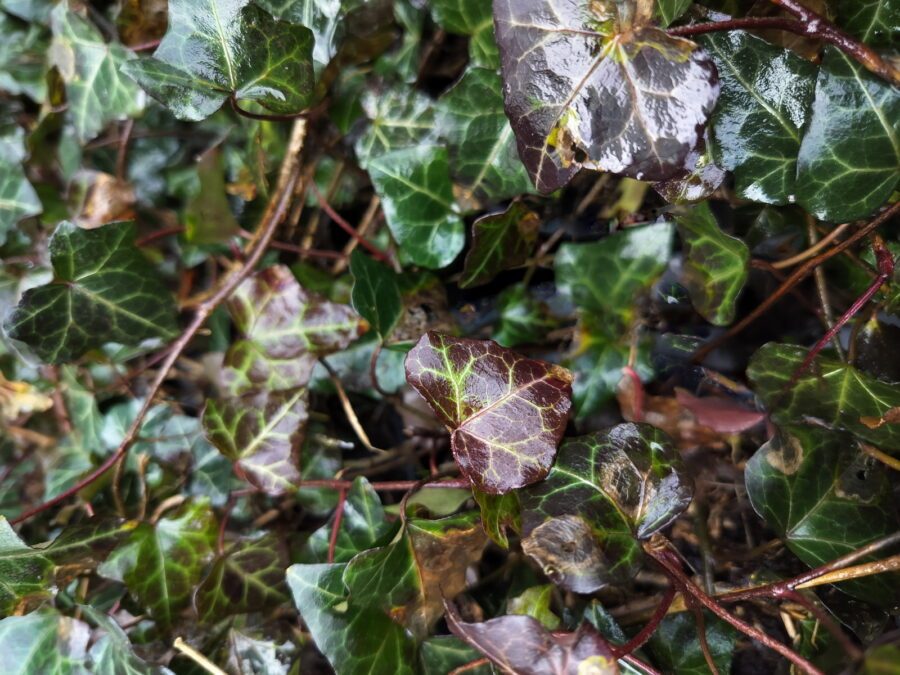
pixel 247 578
pixel 676 645
pixel 417 198
pixel 472 18
pixel 104 290
pixel 483 157
pixel 214 50
pixel 520 644
pixel 849 156
pixel 580 94
pixel 441 654
pixel 825 498
pixel 18 200
pixel 323 17
pixel 399 117
pixel 875 22
pixel 830 392
pixel 535 602
pixel 499 241
pixel 764 106
pixel 43 642
pixel 96 91
pixel 112 653
pixel 499 512
pixel 523 318
pixel 21 58
pixel 716 265
pixel 349 636
pixel 699 180
pixel 607 491
pixel 670 10
pixel 376 293
pixel 162 563
pixel 476 387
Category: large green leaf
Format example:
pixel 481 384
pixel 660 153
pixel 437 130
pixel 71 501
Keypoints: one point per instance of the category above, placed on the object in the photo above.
pixel 849 156
pixel 323 17
pixel 716 265
pixel 483 157
pixel 763 108
pixel 43 642
pixel 417 197
pixel 18 199
pixel 830 392
pixel 376 292
pixel 104 290
pixel 875 22
pixel 216 49
pixel 472 18
pixel 354 639
pixel 162 563
pixel 676 645
pixel 583 87
pixel 96 90
pixel 607 491
pixel 825 498
pixel 499 241
pixel 399 117
pixel 507 413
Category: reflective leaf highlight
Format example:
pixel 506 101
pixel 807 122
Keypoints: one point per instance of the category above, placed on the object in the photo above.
pixel 499 241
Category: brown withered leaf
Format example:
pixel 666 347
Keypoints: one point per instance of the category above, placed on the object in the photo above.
pixel 106 200
pixel 568 553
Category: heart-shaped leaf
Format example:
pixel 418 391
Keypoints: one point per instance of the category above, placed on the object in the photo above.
pixel 217 49
pixel 579 93
pixel 376 292
pixel 472 18
pixel 104 290
pixel 872 21
pixel 399 117
pixel 507 413
pixel 43 642
pixel 499 241
pixel 607 491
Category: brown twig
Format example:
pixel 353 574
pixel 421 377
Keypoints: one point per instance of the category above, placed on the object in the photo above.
pixel 336 526
pixel 649 629
pixel 122 152
pixel 881 456
pixel 348 409
pixel 347 227
pixel 812 250
pixel 368 218
pixel 471 665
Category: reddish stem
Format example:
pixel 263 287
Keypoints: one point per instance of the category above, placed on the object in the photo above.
pixel 347 227
pixel 649 629
pixel 159 234
pixel 638 412
pixel 145 46
pixel 336 526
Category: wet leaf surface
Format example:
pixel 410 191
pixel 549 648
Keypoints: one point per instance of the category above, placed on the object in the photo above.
pixel 499 241
pixel 376 293
pixel 43 642
pixel 676 645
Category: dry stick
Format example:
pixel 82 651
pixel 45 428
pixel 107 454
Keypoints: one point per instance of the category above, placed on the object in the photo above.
pixel 347 227
pixel 348 409
pixel 275 211
pixel 649 629
pixel 797 276
pixel 471 665
pixel 812 250
pixel 882 457
pixel 364 224
pixel 822 290
pixel 122 153
pixel 673 570
pixel 197 657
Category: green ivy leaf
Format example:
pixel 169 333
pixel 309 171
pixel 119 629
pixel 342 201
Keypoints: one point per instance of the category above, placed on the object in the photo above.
pixel 96 91
pixel 475 387
pixel 499 513
pixel 830 391
pixel 43 642
pixel 716 265
pixel 472 18
pixel 849 156
pixel 216 49
pixel 376 293
pixel 523 318
pixel 825 498
pixel 351 637
pixel 208 217
pixel 483 157
pixel 249 577
pixel 104 290
pixel 399 117
pixel 535 602
pixel 112 653
pixel 417 198
pixel 764 106
pixel 607 491
pixel 875 22
pixel 499 241
pixel 18 200
pixel 22 58
pixel 676 646
pixel 323 17
pixel 163 562
pixel 602 107
pixel 670 10
pixel 441 654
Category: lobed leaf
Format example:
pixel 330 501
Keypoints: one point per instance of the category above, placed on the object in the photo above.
pixel 499 241
pixel 875 22
pixel 43 642
pixel 325 18
pixel 676 644
pixel 112 653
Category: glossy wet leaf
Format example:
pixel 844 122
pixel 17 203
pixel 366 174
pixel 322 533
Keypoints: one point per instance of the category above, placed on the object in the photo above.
pixel 699 180
pixel 18 199
pixel 825 498
pixel 322 17
pixel 472 18
pixel 499 241
pixel 520 644
pixel 21 62
pixel 579 94
pixel 506 413
pixel 248 577
pixel 764 106
pixel 483 157
pixel 523 318
pixel 499 513
pixel 440 654
pixel 351 637
pixel 417 198
pixel 875 22
pixel 376 292
pixel 670 10
pixel 43 642
pixel 161 564
pixel 97 91
pixel 830 392
pixel 716 265
pixel 112 653
pixel 849 156
pixel 215 50
pixel 676 645
pixel 607 491
pixel 399 117
pixel 104 290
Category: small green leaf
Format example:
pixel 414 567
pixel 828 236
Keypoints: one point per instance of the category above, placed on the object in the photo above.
pixel 475 387
pixel 830 391
pixel 499 512
pixel 472 18
pixel 18 200
pixel 716 265
pixel 112 653
pixel 417 197
pixel 441 654
pixel 849 156
pixel 763 108
pixel 523 318
pixel 535 602
pixel 670 10
pixel 607 491
pixel 325 18
pixel 376 293
pixel 217 49
pixel 104 290
pixel 499 241
pixel 483 157
pixel 825 498
pixel 43 642
pixel 208 217
pixel 676 644
pixel 352 638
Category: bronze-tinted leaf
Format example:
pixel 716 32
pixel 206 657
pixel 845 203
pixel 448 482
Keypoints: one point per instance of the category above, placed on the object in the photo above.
pixel 521 645
pixel 579 92
pixel 506 413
